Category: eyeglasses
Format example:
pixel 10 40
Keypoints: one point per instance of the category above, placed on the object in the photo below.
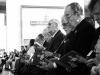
pixel 67 25
pixel 68 16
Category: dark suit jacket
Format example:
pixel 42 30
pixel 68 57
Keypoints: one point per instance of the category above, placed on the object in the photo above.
pixel 80 39
pixel 55 42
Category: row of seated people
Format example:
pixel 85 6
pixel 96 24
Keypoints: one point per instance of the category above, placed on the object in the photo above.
pixel 82 39
pixel 8 60
pixel 24 67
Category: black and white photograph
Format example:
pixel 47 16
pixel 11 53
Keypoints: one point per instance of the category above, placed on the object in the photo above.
pixel 49 37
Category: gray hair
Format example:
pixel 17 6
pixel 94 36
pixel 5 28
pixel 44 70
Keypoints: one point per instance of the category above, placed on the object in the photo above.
pixel 76 8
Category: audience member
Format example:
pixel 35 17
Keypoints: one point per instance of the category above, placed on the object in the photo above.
pixel 4 59
pixel 51 30
pixel 95 10
pixel 56 36
pixel 9 65
pixel 79 39
pixel 31 50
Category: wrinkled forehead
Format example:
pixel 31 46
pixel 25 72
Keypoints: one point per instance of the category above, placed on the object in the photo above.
pixel 68 10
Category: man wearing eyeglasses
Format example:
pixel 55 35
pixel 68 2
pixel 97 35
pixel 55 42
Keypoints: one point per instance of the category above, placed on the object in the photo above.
pixel 80 32
pixel 79 37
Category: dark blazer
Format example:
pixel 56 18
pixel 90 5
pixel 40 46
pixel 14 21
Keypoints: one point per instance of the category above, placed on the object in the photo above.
pixel 80 39
pixel 55 42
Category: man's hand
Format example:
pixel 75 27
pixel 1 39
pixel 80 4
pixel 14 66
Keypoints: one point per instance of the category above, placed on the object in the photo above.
pixel 91 62
pixel 52 65
pixel 49 65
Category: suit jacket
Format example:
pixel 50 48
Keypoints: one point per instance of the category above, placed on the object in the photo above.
pixel 80 39
pixel 55 42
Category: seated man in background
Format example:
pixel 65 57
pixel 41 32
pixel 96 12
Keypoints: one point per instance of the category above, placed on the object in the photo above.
pixel 56 37
pixel 31 50
pixel 20 63
pixel 16 55
pixel 9 65
pixel 51 29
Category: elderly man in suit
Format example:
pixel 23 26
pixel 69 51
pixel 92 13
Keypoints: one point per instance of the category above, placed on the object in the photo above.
pixel 80 35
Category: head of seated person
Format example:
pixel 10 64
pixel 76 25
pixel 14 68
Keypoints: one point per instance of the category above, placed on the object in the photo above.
pixel 4 54
pixel 31 42
pixel 72 16
pixel 53 24
pixel 50 31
